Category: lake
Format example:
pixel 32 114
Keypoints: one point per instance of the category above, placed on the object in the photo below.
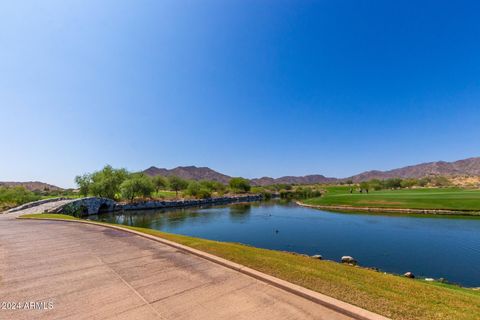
pixel 428 246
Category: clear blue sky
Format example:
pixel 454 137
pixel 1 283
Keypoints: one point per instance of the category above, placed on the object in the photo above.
pixel 249 88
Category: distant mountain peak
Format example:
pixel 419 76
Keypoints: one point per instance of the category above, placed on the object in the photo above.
pixel 470 166
pixel 189 172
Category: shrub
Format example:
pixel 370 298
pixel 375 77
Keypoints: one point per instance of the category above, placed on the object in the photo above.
pixel 239 185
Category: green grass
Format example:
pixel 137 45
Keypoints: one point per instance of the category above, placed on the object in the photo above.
pixel 432 198
pixel 166 194
pixel 386 294
pixel 48 216
pixel 70 196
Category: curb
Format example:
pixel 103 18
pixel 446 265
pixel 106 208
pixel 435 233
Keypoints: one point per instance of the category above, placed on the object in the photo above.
pixel 319 298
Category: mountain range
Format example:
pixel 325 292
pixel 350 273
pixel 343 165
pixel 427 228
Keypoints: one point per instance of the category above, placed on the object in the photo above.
pixel 466 167
pixel 30 185
pixel 469 167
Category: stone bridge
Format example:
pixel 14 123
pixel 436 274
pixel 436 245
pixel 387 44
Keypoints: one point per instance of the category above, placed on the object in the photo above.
pixel 78 207
pixel 93 205
pixel 86 206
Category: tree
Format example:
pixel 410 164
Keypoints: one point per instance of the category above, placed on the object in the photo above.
pixel 177 184
pixel 136 185
pixel 193 188
pixel 106 182
pixel 423 182
pixel 408 183
pixel 364 186
pixel 198 190
pixel 84 182
pixel 441 181
pixel 376 184
pixel 204 193
pixel 159 182
pixel 393 183
pixel 213 186
pixel 239 184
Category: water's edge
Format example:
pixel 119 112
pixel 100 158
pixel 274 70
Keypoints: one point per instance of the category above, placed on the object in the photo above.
pixel 391 210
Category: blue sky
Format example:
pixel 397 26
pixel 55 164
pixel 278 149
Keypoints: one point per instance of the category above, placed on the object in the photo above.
pixel 249 88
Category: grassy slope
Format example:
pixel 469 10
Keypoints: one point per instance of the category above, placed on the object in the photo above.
pixel 451 199
pixel 392 296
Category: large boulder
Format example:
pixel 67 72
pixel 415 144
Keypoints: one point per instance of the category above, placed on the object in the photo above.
pixel 317 256
pixel 409 275
pixel 349 260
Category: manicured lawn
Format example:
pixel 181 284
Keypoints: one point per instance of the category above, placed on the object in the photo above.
pixel 166 194
pixel 389 295
pixel 434 198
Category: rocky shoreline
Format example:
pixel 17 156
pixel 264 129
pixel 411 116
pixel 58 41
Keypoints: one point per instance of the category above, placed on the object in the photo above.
pixel 155 204
pixel 391 210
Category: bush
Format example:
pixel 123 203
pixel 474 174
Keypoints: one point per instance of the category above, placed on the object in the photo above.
pixel 198 190
pixel 239 185
pixel 266 194
pixel 204 193
pixel 15 196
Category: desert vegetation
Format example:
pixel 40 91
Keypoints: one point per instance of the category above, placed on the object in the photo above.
pixel 120 184
pixel 12 196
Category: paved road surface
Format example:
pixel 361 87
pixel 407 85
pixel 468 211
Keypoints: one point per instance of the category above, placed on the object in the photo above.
pixel 93 272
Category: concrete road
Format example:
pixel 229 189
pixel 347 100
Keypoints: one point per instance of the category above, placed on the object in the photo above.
pixel 90 272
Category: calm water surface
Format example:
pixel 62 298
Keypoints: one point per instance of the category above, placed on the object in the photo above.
pixel 428 246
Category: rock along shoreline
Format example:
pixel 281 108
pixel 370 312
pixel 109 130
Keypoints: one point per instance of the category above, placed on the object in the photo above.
pixel 155 204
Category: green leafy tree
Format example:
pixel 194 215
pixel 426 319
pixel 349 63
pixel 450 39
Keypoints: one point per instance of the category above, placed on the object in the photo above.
pixel 408 183
pixel 204 193
pixel 106 182
pixel 364 186
pixel 84 183
pixel 239 185
pixel 393 183
pixel 199 190
pixel 160 183
pixel 213 186
pixel 193 188
pixel 136 185
pixel 375 184
pixel 177 184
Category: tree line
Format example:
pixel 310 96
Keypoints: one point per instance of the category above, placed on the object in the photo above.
pixel 120 184
pixel 398 183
